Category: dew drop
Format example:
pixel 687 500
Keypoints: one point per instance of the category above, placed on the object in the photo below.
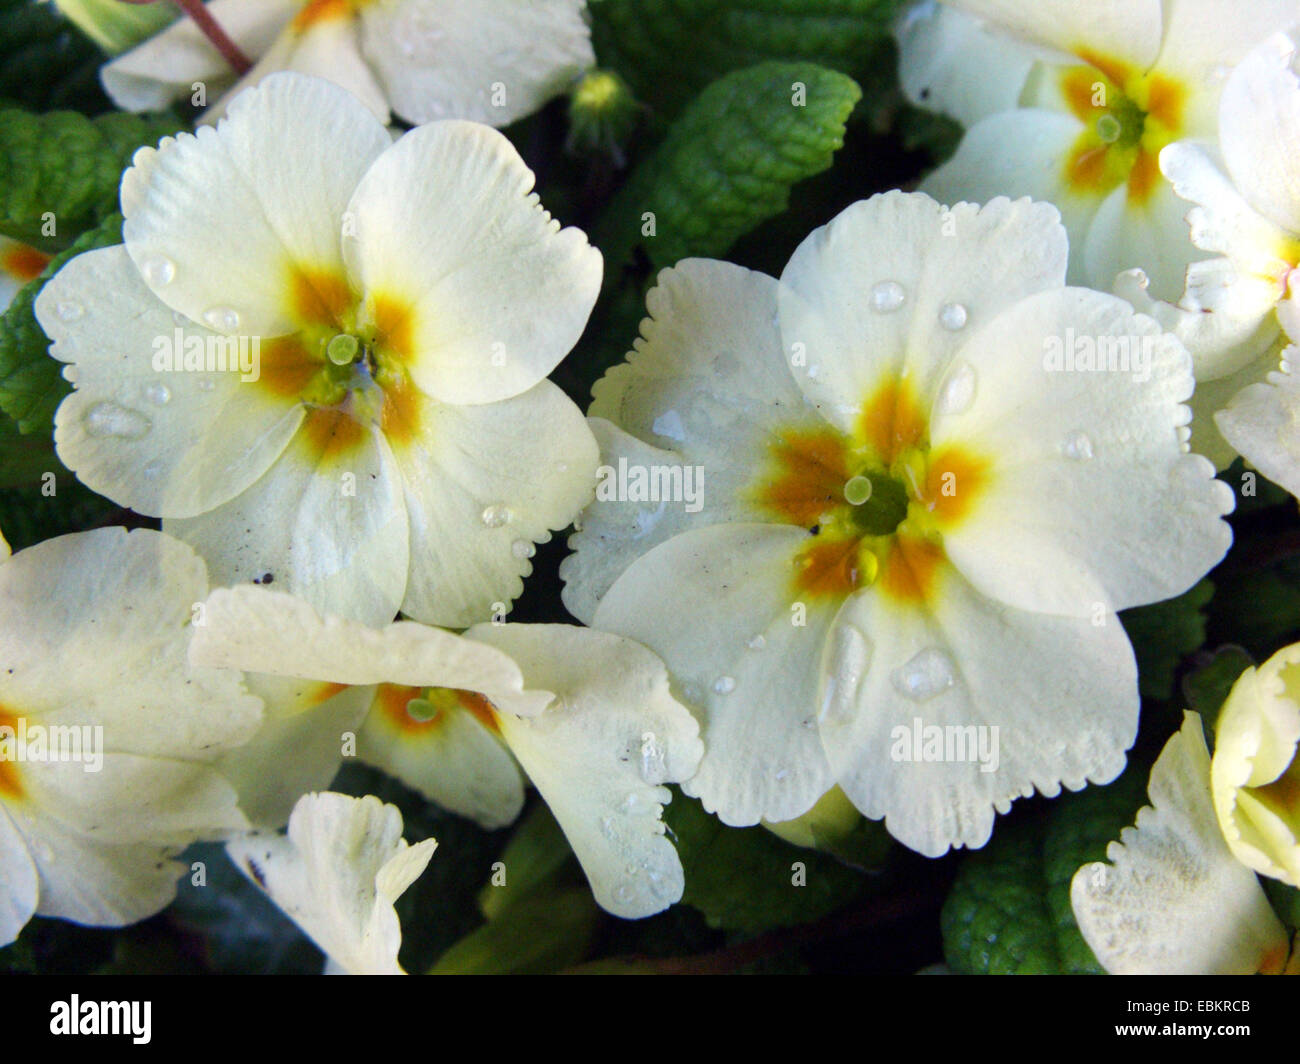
pixel 959 390
pixel 109 419
pixel 522 549
pixel 1109 129
pixel 179 319
pixel 152 470
pixel 952 316
pixel 1077 446
pixel 652 759
pixel 757 643
pixel 724 685
pixel 69 311
pixel 849 657
pixel 927 674
pixel 158 270
pixel 607 826
pixel 888 296
pixel 782 775
pixel 623 893
pixel 669 425
pixel 223 319
pixel 496 515
pixel 857 490
pixel 158 394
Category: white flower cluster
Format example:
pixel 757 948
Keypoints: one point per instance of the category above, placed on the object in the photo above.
pixel 927 466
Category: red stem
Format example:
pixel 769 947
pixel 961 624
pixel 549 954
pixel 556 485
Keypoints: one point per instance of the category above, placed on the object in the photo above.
pixel 211 29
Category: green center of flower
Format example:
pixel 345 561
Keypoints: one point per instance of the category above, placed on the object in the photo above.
pixel 877 504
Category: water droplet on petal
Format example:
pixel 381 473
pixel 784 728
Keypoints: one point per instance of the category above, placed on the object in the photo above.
pixel 179 319
pixel 1109 128
pixel 652 759
pixel 158 394
pixel 1077 446
pixel 959 390
pixel 496 515
pixel 888 296
pixel 952 316
pixel 522 549
pixel 158 270
pixel 669 425
pixel 724 685
pixel 109 419
pixel 857 490
pixel 849 657
pixel 607 826
pixel 69 311
pixel 782 775
pixel 152 470
pixel 927 674
pixel 757 643
pixel 222 319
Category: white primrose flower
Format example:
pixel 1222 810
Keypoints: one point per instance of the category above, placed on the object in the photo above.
pixel 1171 899
pixel 587 716
pixel 320 356
pixel 922 506
pixel 1255 774
pixel 19 264
pixel 108 737
pixel 1078 115
pixel 337 874
pixel 491 61
pixel 1247 212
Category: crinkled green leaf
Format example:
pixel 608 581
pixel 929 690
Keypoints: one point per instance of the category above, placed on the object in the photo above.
pixel 729 162
pixel 31 383
pixel 44 62
pixel 668 50
pixel 745 879
pixel 63 170
pixel 1009 909
pixel 1163 634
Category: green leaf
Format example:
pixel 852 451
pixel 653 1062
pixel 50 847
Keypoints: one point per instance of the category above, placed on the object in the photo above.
pixel 44 62
pixel 31 383
pixel 746 879
pixel 65 169
pixel 1163 634
pixel 1009 909
pixel 539 934
pixel 668 50
pixel 1207 685
pixel 729 162
pixel 533 860
pixel 1285 900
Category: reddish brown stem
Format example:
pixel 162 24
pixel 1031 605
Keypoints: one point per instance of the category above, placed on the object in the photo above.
pixel 211 29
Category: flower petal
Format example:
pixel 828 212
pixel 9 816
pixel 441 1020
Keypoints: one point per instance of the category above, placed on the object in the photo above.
pixel 456 762
pixel 327 520
pixel 720 606
pixel 711 392
pixel 169 66
pixel 328 48
pixel 1063 442
pixel 601 753
pixel 1152 234
pixel 482 485
pixel 21 890
pixel 491 61
pixel 1022 702
pixel 448 227
pixel 1173 900
pixel 231 216
pixel 839 292
pixel 1252 775
pixel 96 634
pixel 299 747
pixel 257 630
pixel 163 441
pixel 1123 29
pixel 337 874
pixel 1261 422
pixel 951 62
